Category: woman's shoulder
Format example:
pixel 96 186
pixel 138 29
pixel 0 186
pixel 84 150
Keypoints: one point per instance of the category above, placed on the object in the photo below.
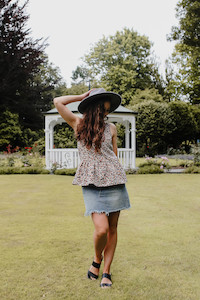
pixel 113 128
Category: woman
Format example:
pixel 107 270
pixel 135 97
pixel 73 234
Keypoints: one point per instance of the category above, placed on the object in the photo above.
pixel 99 173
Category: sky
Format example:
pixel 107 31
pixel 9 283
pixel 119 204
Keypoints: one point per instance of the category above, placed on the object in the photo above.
pixel 74 26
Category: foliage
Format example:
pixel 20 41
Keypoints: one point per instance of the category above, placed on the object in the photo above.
pixel 123 63
pixel 188 31
pixel 64 136
pixel 130 171
pixel 46 85
pixel 20 58
pixel 77 89
pixel 187 51
pixel 196 152
pixel 10 129
pixel 146 94
pixel 192 170
pixel 195 110
pixel 185 124
pixel 28 82
pixel 151 169
pixel 20 170
pixel 149 161
pixel 69 172
pixel 39 146
pixel 31 136
pixel 155 123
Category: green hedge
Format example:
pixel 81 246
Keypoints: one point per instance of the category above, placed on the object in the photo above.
pixel 26 170
pixel 70 172
pixel 151 169
pixel 192 170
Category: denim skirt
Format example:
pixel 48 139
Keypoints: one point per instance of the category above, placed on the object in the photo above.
pixel 105 199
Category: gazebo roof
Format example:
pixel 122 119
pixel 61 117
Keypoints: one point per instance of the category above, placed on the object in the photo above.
pixel 74 108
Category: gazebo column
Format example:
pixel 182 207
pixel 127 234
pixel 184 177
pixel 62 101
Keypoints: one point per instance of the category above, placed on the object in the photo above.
pixel 127 139
pixel 51 137
pixel 133 141
pixel 47 142
pixel 127 146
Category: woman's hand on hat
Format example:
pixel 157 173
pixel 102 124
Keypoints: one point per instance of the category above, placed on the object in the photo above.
pixel 86 94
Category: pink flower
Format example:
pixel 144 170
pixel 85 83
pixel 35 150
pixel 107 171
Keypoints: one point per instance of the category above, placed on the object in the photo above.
pixel 161 167
pixel 164 158
pixel 148 158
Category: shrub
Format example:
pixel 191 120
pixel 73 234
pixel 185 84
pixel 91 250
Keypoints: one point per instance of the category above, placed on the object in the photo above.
pixel 70 172
pixel 196 152
pixel 131 171
pixel 192 170
pixel 39 146
pixel 27 170
pixel 149 161
pixel 151 169
pixel 185 164
pixel 10 161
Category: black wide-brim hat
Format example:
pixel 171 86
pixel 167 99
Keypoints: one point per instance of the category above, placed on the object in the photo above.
pixel 100 95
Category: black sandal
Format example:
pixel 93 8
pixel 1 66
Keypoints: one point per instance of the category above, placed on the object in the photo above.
pixel 106 275
pixel 92 275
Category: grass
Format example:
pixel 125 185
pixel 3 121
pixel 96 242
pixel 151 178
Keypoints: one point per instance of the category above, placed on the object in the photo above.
pixel 46 242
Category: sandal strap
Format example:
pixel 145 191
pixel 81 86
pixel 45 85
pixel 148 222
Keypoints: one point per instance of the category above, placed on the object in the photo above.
pixel 105 284
pixel 90 274
pixel 96 265
pixel 106 275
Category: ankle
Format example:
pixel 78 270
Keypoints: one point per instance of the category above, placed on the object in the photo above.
pixel 98 259
pixel 106 270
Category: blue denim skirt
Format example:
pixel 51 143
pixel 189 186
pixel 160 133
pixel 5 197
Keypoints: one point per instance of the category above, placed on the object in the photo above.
pixel 105 199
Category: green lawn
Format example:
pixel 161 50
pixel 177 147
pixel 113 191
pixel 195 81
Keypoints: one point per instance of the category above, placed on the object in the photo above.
pixel 46 242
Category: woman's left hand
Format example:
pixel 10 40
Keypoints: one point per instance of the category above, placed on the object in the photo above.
pixel 86 94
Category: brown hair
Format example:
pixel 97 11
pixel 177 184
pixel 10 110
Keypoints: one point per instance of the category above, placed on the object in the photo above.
pixel 91 128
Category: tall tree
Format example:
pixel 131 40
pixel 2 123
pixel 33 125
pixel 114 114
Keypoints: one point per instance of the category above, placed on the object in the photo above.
pixel 187 50
pixel 20 59
pixel 123 63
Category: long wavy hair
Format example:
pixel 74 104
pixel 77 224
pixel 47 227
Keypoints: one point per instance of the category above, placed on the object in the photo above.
pixel 91 128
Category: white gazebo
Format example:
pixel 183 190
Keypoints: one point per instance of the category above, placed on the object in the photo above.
pixel 69 158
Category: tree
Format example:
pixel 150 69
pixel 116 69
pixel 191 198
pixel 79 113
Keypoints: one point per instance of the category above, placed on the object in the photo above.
pixel 187 50
pixel 147 94
pixel 10 130
pixel 20 56
pixel 28 82
pixel 185 123
pixel 195 110
pixel 123 63
pixel 188 32
pixel 155 123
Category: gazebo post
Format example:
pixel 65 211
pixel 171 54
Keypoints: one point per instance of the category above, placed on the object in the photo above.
pixel 51 136
pixel 133 141
pixel 47 158
pixel 127 139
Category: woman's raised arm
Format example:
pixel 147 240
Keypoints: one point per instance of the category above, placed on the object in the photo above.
pixel 60 104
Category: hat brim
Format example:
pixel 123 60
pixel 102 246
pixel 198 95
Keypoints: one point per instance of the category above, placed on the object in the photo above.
pixel 114 99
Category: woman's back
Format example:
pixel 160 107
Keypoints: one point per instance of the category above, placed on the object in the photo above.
pixel 99 168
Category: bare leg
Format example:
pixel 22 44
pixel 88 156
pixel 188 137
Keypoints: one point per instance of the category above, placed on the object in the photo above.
pixel 101 225
pixel 111 244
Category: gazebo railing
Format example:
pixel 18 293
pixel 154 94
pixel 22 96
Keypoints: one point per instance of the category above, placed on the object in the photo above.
pixel 69 158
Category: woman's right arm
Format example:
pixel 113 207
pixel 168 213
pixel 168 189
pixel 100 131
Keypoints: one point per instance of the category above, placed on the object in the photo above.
pixel 60 104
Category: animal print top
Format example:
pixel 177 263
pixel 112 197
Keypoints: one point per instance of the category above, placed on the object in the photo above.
pixel 99 169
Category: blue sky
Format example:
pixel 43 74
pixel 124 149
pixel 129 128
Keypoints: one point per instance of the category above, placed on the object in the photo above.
pixel 72 27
